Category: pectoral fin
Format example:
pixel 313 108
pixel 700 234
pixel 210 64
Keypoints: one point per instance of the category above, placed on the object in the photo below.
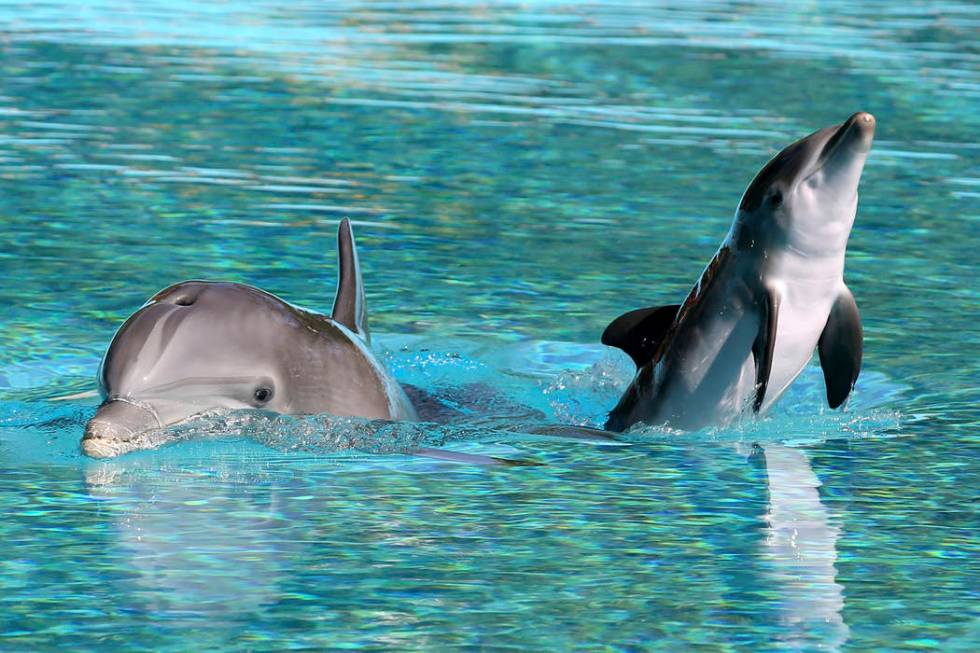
pixel 762 348
pixel 840 347
pixel 639 332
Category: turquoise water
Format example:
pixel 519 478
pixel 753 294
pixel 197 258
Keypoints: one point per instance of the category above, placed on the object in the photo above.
pixel 518 174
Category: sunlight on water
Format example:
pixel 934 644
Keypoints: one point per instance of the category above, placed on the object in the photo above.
pixel 518 174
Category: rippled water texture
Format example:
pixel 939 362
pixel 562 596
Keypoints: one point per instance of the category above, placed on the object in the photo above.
pixel 518 174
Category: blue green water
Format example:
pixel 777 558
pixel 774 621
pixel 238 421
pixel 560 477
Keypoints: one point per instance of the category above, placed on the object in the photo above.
pixel 519 174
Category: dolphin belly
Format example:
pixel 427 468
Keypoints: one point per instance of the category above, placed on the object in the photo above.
pixel 708 376
pixel 802 316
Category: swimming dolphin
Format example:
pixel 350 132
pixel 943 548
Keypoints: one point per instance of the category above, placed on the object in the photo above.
pixel 773 292
pixel 200 345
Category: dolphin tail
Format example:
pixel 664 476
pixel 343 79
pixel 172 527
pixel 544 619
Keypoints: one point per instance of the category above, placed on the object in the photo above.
pixel 348 306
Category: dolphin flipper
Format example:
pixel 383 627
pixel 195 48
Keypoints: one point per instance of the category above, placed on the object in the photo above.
pixel 840 348
pixel 581 433
pixel 639 332
pixel 471 458
pixel 763 346
pixel 348 306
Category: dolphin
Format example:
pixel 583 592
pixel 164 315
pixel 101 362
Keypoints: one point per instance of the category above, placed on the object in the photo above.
pixel 198 346
pixel 773 292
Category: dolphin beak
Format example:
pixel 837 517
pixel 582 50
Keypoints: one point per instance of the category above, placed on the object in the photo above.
pixel 860 131
pixel 117 427
pixel 854 136
pixel 842 158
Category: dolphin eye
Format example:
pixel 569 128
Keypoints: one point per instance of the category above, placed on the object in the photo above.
pixel 776 199
pixel 263 394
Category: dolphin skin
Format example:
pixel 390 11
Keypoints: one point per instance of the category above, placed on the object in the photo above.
pixel 198 346
pixel 773 292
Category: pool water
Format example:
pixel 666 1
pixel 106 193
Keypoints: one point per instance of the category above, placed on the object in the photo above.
pixel 518 175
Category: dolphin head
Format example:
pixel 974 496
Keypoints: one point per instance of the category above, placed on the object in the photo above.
pixel 806 196
pixel 193 347
pixel 201 346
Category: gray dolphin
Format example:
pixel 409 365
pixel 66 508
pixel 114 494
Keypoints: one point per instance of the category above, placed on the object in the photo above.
pixel 773 292
pixel 199 345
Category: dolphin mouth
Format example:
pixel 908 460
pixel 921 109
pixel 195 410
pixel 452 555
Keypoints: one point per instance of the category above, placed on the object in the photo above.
pixel 118 426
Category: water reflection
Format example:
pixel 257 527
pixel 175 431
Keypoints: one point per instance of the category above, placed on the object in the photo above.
pixel 523 172
pixel 195 551
pixel 801 548
pixel 229 546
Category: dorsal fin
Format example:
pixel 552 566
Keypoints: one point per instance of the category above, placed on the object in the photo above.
pixel 348 306
pixel 639 332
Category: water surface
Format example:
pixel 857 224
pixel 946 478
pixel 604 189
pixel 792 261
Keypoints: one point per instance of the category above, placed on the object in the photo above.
pixel 518 174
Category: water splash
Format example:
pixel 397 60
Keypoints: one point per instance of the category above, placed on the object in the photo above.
pixel 471 391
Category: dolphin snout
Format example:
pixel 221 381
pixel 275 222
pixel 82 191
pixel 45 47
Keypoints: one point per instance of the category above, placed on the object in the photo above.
pixel 104 440
pixel 116 427
pixel 859 130
pixel 864 119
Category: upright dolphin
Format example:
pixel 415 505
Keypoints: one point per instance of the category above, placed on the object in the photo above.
pixel 201 345
pixel 772 293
